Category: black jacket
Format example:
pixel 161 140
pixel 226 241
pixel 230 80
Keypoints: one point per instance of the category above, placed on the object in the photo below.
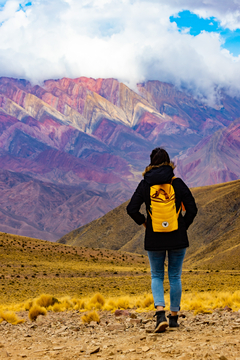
pixel 155 241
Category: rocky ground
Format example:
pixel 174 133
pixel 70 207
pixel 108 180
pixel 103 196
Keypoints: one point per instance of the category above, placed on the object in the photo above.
pixel 123 335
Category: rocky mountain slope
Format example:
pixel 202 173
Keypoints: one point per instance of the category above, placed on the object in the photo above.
pixel 73 149
pixel 215 159
pixel 214 235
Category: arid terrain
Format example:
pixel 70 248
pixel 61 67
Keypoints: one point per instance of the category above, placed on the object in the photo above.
pixel 116 284
pixel 128 336
pixel 214 235
pixel 209 319
pixel 30 267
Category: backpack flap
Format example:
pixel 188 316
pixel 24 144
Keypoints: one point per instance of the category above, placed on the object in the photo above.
pixel 163 208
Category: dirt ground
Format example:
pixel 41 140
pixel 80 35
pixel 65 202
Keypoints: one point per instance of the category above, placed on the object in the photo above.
pixel 126 336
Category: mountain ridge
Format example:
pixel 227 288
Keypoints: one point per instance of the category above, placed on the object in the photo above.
pixel 96 135
pixel 216 157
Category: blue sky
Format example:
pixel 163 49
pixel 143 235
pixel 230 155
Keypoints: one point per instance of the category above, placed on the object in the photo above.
pixel 193 44
pixel 194 25
pixel 2 2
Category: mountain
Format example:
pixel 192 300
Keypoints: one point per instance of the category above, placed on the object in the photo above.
pixel 213 160
pixel 73 149
pixel 214 235
pixel 48 210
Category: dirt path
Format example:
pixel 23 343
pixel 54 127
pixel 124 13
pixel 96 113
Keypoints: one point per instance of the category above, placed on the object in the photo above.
pixel 62 336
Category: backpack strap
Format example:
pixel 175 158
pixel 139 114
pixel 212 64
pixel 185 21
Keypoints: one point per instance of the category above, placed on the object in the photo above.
pixel 182 205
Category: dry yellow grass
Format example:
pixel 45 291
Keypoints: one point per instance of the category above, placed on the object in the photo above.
pixel 46 300
pixel 97 301
pixel 197 302
pixel 35 311
pixel 44 267
pixel 91 316
pixel 204 302
pixel 96 279
pixel 10 317
pixel 47 268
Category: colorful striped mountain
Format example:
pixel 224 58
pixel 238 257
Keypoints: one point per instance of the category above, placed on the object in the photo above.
pixel 73 149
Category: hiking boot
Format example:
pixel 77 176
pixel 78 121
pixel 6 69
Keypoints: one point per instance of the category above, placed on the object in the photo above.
pixel 161 323
pixel 173 321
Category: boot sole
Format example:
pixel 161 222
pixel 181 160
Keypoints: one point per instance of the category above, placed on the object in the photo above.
pixel 161 327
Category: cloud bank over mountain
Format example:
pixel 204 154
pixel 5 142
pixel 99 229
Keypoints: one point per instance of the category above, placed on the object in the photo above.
pixel 132 41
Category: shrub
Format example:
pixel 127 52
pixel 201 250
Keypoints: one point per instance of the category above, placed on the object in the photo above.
pixel 28 304
pixel 78 304
pixel 46 300
pixel 11 318
pixel 148 301
pixel 91 316
pixel 67 302
pixel 35 311
pixel 123 303
pixel 98 300
pixel 58 307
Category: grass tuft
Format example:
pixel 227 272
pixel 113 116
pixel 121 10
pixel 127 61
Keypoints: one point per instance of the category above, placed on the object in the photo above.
pixel 35 311
pixel 147 302
pixel 11 318
pixel 57 307
pixel 91 316
pixel 27 305
pixel 79 304
pixel 198 302
pixel 46 300
pixel 96 302
pixel 123 302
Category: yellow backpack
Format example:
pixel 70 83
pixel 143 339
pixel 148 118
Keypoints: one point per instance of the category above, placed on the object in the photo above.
pixel 163 208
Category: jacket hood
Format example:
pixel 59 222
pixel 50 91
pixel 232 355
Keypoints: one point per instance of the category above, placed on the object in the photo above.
pixel 159 175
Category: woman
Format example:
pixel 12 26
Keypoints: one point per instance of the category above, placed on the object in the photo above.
pixel 158 239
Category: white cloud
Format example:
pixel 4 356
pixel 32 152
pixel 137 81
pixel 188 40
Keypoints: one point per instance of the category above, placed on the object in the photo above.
pixel 9 10
pixel 226 11
pixel 129 40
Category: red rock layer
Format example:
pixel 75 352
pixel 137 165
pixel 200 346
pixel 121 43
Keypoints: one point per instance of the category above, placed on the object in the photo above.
pixel 73 149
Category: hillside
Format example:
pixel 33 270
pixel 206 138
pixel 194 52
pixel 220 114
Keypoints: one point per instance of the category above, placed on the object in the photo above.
pixel 112 231
pixel 217 228
pixel 73 149
pixel 214 236
pixel 30 267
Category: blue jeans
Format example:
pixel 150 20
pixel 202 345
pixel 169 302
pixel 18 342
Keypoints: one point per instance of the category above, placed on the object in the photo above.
pixel 175 261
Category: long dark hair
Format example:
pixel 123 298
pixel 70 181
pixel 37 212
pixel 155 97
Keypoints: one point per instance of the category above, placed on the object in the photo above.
pixel 158 157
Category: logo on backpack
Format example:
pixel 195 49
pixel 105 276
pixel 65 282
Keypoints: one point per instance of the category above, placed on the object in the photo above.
pixel 163 208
